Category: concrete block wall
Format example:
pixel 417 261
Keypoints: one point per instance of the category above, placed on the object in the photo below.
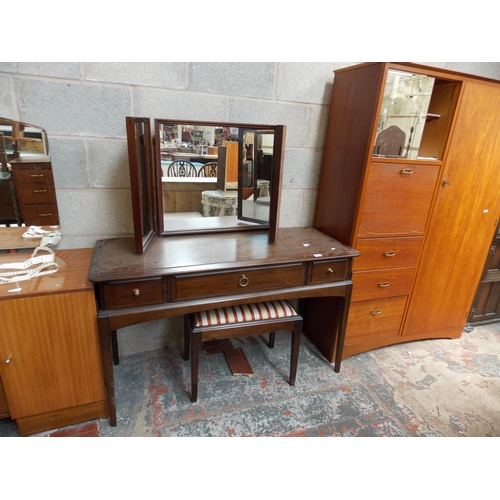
pixel 83 108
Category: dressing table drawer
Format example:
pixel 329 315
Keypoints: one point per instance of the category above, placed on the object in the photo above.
pixel 327 272
pixel 253 280
pixel 41 215
pixel 28 173
pixel 116 295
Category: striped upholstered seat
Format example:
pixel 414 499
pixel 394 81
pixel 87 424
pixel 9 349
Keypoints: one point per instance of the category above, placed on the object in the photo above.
pixel 245 312
pixel 241 320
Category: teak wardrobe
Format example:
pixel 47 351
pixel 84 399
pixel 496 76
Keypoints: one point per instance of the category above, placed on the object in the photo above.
pixel 421 204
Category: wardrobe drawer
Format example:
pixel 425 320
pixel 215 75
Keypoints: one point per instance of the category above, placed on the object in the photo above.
pixel 397 199
pixel 327 272
pixel 194 286
pixel 383 253
pixel 383 283
pixel 374 319
pixel 116 295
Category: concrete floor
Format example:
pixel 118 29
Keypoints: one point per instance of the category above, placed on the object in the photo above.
pixel 426 388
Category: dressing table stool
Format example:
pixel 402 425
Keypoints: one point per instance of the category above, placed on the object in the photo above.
pixel 242 320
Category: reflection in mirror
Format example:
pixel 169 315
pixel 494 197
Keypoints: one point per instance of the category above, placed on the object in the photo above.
pixel 216 176
pixel 27 191
pixel 403 114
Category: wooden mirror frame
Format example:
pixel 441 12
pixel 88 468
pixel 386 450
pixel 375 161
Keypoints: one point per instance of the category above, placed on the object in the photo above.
pixel 141 181
pixel 146 180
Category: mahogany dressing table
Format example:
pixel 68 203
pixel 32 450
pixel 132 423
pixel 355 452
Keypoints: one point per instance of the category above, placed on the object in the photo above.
pixel 187 273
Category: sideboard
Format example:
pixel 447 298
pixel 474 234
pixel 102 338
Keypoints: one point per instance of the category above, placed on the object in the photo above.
pixel 50 362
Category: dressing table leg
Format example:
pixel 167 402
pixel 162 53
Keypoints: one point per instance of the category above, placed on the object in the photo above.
pixel 343 313
pixel 195 362
pixel 114 346
pixel 105 339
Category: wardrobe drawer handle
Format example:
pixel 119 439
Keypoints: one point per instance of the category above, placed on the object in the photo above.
pixel 389 254
pixel 377 311
pixel 244 281
pixel 407 171
pixel 384 285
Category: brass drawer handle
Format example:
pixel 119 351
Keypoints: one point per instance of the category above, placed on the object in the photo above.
pixel 389 254
pixel 407 171
pixel 244 281
pixel 39 190
pixel 136 292
pixel 384 285
pixel 377 311
pixel 330 270
pixel 36 175
pixel 44 215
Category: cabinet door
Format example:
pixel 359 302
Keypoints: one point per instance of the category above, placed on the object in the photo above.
pixel 464 217
pixel 397 199
pixel 52 346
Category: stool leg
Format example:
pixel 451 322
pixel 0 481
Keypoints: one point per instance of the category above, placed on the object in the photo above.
pixel 272 336
pixel 294 358
pixel 195 361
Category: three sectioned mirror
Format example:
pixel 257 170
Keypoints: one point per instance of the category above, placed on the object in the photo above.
pixel 206 177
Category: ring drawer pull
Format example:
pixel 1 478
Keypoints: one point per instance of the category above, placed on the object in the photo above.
pixel 407 171
pixel 244 281
pixel 389 254
pixel 377 311
pixel 384 285
pixel 136 292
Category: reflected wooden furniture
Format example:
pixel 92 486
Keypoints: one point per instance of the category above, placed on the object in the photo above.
pixel 181 195
pixel 179 275
pixel 35 189
pixel 12 238
pixel 423 224
pixel 244 320
pixel 51 366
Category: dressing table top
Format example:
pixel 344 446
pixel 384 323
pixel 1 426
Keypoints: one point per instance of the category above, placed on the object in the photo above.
pixel 114 259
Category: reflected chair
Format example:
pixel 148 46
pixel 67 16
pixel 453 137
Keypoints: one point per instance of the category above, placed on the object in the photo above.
pixel 181 168
pixel 390 142
pixel 208 170
pixel 244 320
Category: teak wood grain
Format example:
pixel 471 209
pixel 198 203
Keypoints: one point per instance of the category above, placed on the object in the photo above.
pixel 49 335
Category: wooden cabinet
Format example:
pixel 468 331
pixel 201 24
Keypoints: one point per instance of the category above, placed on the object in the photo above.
pixel 49 348
pixel 486 306
pixel 36 192
pixel 421 209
